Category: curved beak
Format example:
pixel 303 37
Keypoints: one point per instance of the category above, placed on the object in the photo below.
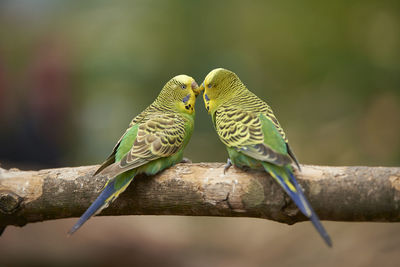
pixel 196 89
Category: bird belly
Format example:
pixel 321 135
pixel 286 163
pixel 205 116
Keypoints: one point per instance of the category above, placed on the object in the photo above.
pixel 160 164
pixel 242 161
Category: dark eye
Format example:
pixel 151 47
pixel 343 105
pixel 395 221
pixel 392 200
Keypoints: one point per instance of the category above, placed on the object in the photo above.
pixel 183 86
pixel 209 85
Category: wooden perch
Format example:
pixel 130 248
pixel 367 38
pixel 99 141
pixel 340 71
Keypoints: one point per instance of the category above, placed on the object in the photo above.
pixel 336 193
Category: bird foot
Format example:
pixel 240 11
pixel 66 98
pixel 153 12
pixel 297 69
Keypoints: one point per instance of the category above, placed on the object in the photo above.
pixel 186 160
pixel 227 165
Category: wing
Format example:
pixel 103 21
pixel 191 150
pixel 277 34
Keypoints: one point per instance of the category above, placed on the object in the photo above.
pixel 111 158
pixel 137 119
pixel 253 134
pixel 267 112
pixel 272 119
pixel 158 136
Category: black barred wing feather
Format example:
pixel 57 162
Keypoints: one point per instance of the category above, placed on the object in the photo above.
pixel 252 103
pixel 111 158
pixel 242 130
pixel 237 127
pixel 158 136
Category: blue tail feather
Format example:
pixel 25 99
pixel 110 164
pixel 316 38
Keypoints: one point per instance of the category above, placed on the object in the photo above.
pixel 108 194
pixel 301 202
pixel 314 217
pixel 297 197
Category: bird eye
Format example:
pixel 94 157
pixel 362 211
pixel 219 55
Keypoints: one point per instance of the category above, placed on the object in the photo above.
pixel 183 86
pixel 209 85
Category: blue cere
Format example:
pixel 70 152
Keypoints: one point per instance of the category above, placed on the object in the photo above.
pixel 186 98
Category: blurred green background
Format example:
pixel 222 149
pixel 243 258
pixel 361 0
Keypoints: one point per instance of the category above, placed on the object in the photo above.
pixel 74 73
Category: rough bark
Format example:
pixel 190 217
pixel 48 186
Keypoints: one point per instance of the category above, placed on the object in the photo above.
pixel 336 193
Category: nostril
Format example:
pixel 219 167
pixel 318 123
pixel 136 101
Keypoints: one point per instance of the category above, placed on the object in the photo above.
pixel 194 85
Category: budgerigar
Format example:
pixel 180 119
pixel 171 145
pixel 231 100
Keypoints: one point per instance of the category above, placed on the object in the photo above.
pixel 253 136
pixel 155 140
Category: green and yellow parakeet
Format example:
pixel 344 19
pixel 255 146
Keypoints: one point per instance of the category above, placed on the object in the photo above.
pixel 253 136
pixel 155 140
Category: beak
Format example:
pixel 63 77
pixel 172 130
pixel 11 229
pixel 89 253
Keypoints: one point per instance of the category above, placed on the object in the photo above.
pixel 196 89
pixel 199 89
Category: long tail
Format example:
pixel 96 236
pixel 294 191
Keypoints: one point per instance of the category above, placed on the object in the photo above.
pixel 110 192
pixel 284 176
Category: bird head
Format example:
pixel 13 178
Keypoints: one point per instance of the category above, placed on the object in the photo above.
pixel 181 92
pixel 217 87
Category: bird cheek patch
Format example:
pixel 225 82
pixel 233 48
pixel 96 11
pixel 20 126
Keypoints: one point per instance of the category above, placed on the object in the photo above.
pixel 207 101
pixel 186 99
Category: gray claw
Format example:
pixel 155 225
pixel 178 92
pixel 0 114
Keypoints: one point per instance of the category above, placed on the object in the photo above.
pixel 186 160
pixel 227 165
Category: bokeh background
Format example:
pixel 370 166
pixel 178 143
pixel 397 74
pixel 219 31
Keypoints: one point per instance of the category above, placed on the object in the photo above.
pixel 74 73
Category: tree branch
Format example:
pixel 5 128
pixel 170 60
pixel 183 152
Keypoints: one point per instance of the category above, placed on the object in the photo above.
pixel 336 193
